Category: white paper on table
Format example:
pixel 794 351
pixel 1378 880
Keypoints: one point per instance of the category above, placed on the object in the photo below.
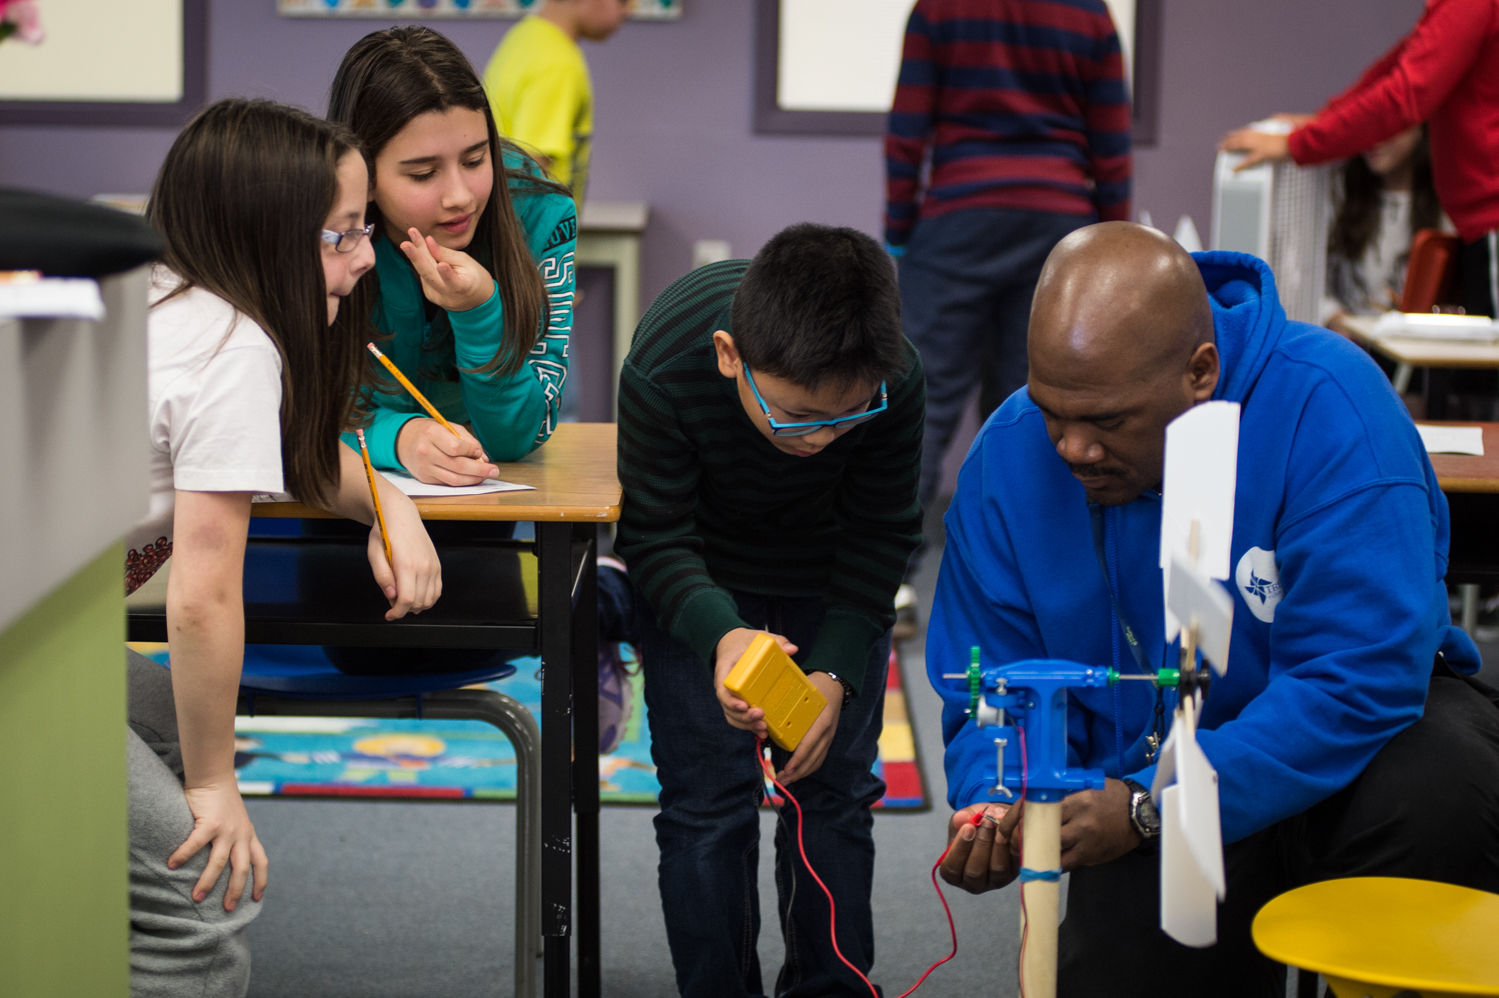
pixel 1451 439
pixel 417 489
pixel 1433 326
pixel 1189 906
pixel 1202 463
pixel 414 488
pixel 1194 596
pixel 52 298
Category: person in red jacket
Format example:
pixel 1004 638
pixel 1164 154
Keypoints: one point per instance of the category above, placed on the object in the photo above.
pixel 1445 74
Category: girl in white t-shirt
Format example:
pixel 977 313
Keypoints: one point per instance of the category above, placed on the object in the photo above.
pixel 255 339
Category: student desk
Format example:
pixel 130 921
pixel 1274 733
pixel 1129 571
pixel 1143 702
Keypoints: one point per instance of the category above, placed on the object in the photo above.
pixel 1472 487
pixel 1410 352
pixel 576 489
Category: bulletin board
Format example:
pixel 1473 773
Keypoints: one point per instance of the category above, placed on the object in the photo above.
pixel 398 10
pixel 830 66
pixel 107 62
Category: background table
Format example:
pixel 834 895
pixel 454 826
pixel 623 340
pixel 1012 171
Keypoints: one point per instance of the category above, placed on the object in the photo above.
pixel 1472 487
pixel 576 489
pixel 1409 353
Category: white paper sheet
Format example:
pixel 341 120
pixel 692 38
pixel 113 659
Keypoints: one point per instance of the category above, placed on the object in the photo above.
pixel 417 489
pixel 52 298
pixel 1202 462
pixel 1451 439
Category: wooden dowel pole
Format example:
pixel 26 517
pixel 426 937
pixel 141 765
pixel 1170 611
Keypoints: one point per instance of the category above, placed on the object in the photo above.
pixel 1041 850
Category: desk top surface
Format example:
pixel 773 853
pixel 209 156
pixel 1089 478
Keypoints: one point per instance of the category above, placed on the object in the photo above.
pixel 1465 472
pixel 1419 351
pixel 573 474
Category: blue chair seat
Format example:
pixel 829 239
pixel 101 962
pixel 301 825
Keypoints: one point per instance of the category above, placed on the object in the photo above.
pixel 304 672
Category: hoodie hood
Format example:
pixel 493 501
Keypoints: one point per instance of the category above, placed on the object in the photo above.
pixel 1247 318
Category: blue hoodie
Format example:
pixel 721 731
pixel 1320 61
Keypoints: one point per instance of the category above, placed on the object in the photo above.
pixel 1339 551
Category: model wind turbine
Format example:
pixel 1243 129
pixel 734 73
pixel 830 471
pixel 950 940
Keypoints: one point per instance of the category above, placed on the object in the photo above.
pixel 1025 703
pixel 1197 519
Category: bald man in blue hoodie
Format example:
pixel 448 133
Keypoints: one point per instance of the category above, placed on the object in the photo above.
pixel 1348 737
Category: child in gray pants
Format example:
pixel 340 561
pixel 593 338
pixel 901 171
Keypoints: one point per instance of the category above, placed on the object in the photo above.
pixel 177 948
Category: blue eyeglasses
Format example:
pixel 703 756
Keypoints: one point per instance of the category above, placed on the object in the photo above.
pixel 345 242
pixel 802 429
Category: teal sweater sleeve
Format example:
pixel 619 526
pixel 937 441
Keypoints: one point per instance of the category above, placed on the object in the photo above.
pixel 513 414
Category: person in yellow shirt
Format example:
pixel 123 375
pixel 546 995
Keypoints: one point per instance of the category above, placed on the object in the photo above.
pixel 538 83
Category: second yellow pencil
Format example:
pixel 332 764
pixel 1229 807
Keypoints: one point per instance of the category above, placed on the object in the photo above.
pixel 406 384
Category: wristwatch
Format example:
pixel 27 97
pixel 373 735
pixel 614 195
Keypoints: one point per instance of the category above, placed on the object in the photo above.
pixel 1142 812
pixel 848 688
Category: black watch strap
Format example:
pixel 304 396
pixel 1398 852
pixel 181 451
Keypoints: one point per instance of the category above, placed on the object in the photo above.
pixel 848 688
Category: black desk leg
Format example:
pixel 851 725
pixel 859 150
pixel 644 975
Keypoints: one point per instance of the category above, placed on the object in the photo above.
pixel 554 568
pixel 586 764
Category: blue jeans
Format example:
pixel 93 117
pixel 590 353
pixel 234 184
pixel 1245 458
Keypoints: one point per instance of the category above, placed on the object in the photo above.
pixel 966 284
pixel 709 826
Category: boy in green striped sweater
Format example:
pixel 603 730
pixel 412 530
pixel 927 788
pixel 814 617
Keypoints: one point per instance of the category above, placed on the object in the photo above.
pixel 770 424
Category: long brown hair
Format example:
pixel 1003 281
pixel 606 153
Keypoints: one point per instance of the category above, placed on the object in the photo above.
pixel 1356 216
pixel 390 77
pixel 240 203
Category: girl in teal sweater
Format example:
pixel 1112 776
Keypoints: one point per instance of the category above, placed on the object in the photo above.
pixel 474 279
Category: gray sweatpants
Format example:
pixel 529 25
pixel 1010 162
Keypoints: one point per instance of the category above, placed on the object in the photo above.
pixel 177 948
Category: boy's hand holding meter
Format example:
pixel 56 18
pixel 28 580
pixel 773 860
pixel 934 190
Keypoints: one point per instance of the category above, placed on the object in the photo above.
pixel 764 691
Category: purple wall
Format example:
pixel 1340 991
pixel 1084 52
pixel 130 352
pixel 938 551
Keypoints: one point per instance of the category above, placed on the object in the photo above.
pixel 674 109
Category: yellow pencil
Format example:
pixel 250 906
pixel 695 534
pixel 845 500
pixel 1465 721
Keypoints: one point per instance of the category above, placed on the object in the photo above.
pixel 405 383
pixel 369 472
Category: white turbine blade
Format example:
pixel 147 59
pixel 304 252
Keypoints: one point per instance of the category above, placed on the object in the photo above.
pixel 1189 908
pixel 1202 455
pixel 1197 794
pixel 1192 596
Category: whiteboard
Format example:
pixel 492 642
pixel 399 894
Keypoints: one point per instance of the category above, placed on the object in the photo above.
pixel 99 50
pixel 844 55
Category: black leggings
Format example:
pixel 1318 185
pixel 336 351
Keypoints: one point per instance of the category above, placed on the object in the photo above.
pixel 1427 806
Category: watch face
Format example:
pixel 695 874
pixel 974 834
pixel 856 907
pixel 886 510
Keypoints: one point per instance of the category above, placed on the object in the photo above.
pixel 1145 810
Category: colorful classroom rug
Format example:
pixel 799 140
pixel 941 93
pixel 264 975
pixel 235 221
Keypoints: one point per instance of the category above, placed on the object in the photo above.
pixel 472 760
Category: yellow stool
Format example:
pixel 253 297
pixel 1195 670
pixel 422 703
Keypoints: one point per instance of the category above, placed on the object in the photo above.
pixel 1378 937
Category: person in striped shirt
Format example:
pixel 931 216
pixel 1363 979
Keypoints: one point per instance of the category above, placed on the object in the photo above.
pixel 1019 113
pixel 770 424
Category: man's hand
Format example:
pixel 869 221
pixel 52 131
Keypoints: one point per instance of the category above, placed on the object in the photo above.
pixel 1096 826
pixel 221 822
pixel 808 757
pixel 739 714
pixel 983 857
pixel 431 453
pixel 1261 147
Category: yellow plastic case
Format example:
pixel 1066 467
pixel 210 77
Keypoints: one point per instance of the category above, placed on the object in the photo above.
pixel 765 677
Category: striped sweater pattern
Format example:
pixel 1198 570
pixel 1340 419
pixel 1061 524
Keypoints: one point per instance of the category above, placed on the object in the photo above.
pixel 1018 103
pixel 710 505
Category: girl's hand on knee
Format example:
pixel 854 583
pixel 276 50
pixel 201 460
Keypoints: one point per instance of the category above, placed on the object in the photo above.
pixel 451 279
pixel 221 822
pixel 414 583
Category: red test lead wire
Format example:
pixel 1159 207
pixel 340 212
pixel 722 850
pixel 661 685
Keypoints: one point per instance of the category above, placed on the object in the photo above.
pixel 832 910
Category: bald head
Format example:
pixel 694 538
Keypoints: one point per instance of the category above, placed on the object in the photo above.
pixel 1120 343
pixel 1119 293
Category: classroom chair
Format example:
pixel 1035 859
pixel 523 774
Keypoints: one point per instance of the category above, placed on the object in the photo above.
pixel 1386 937
pixel 1431 272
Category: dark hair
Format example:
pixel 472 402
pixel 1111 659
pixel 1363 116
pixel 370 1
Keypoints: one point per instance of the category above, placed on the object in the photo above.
pixel 240 203
pixel 390 77
pixel 819 304
pixel 1357 214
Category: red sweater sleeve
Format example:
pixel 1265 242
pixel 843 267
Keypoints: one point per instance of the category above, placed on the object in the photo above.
pixel 1404 88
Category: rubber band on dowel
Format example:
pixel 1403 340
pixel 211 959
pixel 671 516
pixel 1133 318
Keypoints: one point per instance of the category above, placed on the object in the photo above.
pixel 1050 876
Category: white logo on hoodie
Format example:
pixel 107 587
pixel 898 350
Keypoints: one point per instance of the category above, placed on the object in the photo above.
pixel 1258 578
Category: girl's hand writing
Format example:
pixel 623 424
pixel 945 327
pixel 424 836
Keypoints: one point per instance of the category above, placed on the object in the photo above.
pixel 415 582
pixel 451 279
pixel 433 455
pixel 221 821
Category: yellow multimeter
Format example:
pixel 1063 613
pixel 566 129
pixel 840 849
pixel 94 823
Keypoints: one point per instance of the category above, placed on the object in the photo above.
pixel 767 678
